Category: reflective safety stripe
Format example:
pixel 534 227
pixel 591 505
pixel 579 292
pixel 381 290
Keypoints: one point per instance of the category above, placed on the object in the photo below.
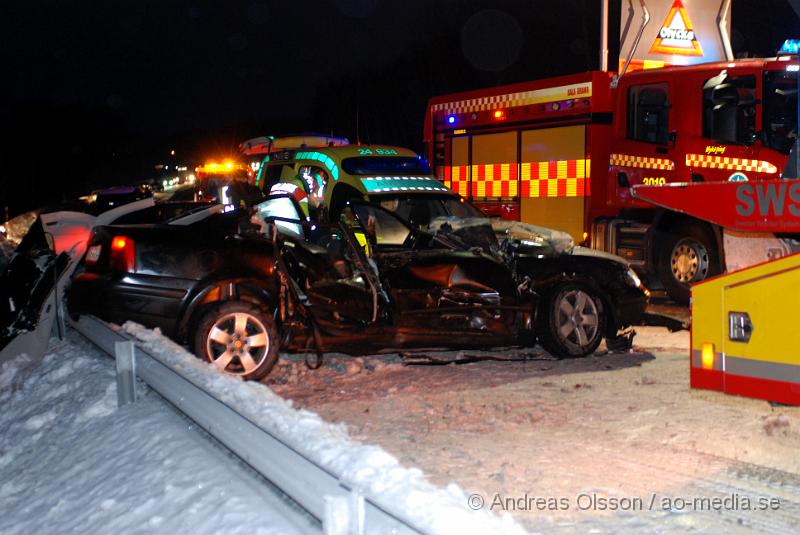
pixel 326 160
pixel 627 160
pixel 557 178
pixel 383 184
pixel 457 179
pixel 290 189
pixel 761 369
pixel 732 164
pixel 494 180
pixel 361 238
pixel 523 98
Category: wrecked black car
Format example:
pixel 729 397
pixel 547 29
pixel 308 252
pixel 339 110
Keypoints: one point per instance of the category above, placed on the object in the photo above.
pixel 586 294
pixel 239 290
pixel 237 293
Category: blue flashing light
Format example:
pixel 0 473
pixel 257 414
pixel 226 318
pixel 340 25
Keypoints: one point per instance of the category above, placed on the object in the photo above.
pixel 451 119
pixel 790 46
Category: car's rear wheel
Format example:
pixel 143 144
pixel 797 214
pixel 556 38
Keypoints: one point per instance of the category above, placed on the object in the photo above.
pixel 238 338
pixel 571 321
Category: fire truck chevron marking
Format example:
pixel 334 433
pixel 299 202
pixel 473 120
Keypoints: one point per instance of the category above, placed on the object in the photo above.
pixel 734 164
pixel 627 160
pixel 524 98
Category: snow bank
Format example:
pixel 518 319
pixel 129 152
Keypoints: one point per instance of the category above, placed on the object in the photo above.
pixel 371 468
pixel 72 462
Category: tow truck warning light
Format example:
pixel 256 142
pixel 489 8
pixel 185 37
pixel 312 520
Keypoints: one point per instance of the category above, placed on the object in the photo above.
pixel 708 356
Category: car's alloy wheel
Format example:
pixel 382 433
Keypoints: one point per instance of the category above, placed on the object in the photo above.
pixel 238 339
pixel 573 323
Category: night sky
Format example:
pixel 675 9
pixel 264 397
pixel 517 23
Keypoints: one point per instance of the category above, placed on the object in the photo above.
pixel 96 93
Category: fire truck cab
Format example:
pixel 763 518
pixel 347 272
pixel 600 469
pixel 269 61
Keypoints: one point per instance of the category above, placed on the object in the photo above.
pixel 564 153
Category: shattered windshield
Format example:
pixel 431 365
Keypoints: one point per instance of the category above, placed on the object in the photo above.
pixel 453 216
pixel 780 110
pixel 420 210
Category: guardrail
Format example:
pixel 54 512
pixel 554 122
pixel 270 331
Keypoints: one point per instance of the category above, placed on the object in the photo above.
pixel 340 508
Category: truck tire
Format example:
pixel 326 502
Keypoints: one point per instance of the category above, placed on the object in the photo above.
pixel 687 254
pixel 571 321
pixel 238 338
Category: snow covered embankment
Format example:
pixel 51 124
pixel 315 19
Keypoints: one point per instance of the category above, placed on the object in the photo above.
pixel 72 462
pixel 370 468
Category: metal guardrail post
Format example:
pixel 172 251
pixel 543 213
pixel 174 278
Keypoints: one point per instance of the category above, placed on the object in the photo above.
pixel 340 507
pixel 357 518
pixel 125 355
pixel 336 517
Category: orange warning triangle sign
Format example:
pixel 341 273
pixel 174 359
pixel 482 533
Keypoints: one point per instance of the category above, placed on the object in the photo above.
pixel 676 35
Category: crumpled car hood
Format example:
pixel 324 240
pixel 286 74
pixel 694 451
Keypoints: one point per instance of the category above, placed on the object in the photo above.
pixel 539 241
pixel 533 239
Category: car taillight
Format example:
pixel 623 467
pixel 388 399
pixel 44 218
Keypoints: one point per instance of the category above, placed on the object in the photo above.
pixel 122 254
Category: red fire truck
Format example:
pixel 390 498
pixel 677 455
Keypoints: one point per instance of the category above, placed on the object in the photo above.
pixel 564 153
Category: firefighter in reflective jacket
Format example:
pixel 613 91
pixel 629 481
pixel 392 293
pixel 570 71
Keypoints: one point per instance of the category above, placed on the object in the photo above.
pixel 308 188
pixel 297 188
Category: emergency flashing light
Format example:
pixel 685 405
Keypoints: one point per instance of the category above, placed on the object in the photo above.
pixel 790 46
pixel 451 119
pixel 499 114
pixel 708 356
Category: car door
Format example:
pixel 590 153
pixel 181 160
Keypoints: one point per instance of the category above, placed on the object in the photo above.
pixel 324 264
pixel 431 287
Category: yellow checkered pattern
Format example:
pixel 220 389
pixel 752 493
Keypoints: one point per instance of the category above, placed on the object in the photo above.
pixel 562 178
pixel 459 180
pixel 627 160
pixel 489 179
pixel 731 164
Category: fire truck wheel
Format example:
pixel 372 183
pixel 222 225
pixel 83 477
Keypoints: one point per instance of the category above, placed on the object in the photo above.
pixel 239 338
pixel 571 321
pixel 686 255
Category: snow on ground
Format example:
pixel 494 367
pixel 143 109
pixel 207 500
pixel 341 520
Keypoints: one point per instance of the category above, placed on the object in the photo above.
pixel 613 443
pixel 72 462
pixel 371 468
pixel 613 426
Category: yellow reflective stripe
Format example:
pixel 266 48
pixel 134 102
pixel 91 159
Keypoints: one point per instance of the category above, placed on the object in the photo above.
pixel 731 164
pixel 628 160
